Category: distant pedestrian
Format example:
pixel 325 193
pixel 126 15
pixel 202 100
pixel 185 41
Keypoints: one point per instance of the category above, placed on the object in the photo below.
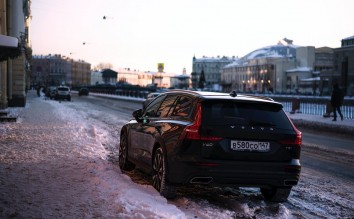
pixel 38 88
pixel 337 101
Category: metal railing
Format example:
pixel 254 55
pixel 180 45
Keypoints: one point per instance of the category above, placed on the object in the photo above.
pixel 315 105
pixel 306 104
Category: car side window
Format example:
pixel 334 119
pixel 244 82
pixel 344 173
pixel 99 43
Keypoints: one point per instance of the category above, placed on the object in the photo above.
pixel 183 107
pixel 151 111
pixel 166 106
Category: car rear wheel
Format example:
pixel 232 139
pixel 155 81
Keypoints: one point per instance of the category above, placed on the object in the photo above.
pixel 124 164
pixel 276 194
pixel 159 175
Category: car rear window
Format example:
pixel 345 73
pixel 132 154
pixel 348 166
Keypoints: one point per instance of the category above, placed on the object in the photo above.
pixel 244 113
pixel 63 88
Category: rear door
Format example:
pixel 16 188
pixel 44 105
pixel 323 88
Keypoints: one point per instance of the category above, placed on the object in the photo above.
pixel 249 130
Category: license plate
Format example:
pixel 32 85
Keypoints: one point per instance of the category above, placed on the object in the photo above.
pixel 250 146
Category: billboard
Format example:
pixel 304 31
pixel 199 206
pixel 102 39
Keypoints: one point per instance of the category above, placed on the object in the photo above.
pixel 160 67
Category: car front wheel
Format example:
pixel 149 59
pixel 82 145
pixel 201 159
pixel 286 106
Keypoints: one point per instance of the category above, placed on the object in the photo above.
pixel 159 175
pixel 124 164
pixel 276 194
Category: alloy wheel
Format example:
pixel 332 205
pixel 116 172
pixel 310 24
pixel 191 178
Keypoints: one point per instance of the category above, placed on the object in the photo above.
pixel 158 170
pixel 123 152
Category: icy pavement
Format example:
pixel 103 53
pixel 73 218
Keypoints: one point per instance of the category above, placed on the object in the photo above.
pixel 54 163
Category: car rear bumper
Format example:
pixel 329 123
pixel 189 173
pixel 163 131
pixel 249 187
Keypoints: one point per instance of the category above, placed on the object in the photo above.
pixel 237 173
pixel 58 96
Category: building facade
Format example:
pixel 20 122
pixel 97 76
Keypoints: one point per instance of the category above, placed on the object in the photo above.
pixel 343 72
pixel 134 77
pixel 15 18
pixel 80 73
pixel 211 67
pixel 145 78
pixel 324 64
pixel 182 81
pixel 261 71
pixel 55 70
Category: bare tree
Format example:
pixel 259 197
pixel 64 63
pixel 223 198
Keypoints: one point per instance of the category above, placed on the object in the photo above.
pixel 102 66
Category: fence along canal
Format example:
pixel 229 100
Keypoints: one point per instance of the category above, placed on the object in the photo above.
pixel 314 105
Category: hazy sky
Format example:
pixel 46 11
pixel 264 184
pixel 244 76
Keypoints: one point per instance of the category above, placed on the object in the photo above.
pixel 138 34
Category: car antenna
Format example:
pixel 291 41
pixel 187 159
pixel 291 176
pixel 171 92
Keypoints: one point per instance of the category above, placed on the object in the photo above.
pixel 233 93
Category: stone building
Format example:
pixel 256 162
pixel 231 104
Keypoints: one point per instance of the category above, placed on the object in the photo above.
pixel 158 79
pixel 135 77
pixel 262 70
pixel 343 72
pixel 56 69
pixel 324 58
pixel 15 52
pixel 303 79
pixel 211 67
pixel 80 73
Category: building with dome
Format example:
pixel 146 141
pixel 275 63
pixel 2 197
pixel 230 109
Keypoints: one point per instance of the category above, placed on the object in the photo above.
pixel 279 68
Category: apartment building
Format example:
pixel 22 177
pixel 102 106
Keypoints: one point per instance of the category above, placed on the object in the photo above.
pixel 57 69
pixel 209 69
pixel 16 52
pixel 344 65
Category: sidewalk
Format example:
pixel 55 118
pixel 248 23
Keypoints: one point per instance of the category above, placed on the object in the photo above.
pixel 321 123
pixel 56 162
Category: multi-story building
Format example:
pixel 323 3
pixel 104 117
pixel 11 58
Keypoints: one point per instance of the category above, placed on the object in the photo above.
pixel 135 77
pixel 56 69
pixel 262 70
pixel 302 79
pixel 145 78
pixel 16 52
pixel 80 73
pixel 324 57
pixel 343 73
pixel 211 67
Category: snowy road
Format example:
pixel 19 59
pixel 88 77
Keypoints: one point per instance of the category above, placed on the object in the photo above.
pixel 60 161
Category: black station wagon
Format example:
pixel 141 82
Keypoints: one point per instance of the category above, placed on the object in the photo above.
pixel 190 137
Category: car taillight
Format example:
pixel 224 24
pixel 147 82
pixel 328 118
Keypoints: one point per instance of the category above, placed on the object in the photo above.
pixel 297 141
pixel 191 132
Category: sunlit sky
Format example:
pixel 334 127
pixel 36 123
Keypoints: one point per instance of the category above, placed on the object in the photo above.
pixel 138 34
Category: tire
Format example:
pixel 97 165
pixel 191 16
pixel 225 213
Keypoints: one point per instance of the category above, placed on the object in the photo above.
pixel 124 163
pixel 276 194
pixel 159 175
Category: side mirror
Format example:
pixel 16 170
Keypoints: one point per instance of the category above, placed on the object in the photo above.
pixel 137 115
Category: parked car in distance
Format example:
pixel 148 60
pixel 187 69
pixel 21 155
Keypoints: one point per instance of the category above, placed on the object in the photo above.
pixel 84 91
pixel 193 137
pixel 51 92
pixel 149 98
pixel 63 92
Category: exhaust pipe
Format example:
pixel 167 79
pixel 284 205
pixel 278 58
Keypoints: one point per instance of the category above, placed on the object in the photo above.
pixel 290 182
pixel 201 180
